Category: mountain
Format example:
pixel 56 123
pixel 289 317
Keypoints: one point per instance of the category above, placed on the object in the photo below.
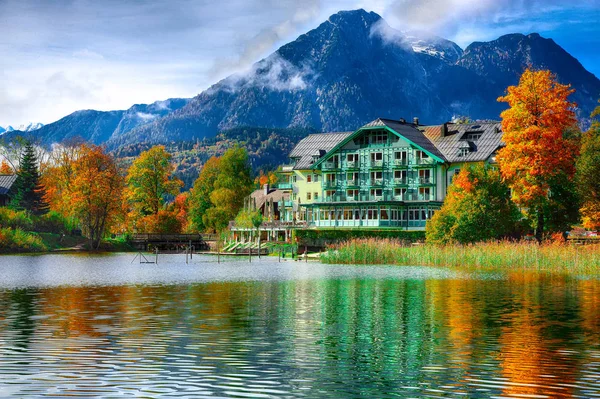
pixel 99 126
pixel 354 68
pixel 349 70
pixel 30 127
pixel 502 61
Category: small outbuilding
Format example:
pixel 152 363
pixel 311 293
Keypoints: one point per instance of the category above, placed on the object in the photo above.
pixel 6 188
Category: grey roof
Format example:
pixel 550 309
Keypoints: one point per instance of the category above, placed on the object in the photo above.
pixel 480 149
pixel 315 144
pixel 6 182
pixel 411 133
pixel 276 194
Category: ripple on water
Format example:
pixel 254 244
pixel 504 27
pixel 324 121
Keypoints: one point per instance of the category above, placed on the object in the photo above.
pixel 100 326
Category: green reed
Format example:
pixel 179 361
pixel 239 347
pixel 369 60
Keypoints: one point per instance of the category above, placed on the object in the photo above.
pixel 503 255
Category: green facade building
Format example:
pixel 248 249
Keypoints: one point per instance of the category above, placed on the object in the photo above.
pixel 387 174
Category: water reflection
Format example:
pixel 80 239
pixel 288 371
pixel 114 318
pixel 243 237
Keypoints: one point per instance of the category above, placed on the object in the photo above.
pixel 367 336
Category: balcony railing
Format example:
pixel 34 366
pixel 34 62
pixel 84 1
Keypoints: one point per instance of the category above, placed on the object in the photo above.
pixel 425 161
pixel 352 164
pixel 329 183
pixel 377 163
pixel 329 165
pixel 425 180
pixel 418 197
pixel 283 186
pixel 400 162
pixel 403 181
pixel 377 182
pixel 352 182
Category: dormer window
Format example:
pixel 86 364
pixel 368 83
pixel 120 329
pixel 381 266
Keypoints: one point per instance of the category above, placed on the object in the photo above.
pixel 462 152
pixel 472 136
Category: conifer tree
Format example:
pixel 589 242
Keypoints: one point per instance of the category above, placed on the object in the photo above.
pixel 29 192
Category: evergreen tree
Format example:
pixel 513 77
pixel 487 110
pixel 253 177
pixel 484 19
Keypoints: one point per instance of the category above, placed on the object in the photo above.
pixel 29 192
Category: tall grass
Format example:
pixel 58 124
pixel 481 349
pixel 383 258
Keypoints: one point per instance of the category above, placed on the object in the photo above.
pixel 491 256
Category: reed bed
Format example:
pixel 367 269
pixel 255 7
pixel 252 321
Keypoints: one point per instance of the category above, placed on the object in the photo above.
pixel 492 256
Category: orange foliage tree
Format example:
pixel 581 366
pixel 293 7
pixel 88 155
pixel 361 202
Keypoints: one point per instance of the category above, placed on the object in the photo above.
pixel 96 192
pixel 58 176
pixel 537 150
pixel 5 168
pixel 149 180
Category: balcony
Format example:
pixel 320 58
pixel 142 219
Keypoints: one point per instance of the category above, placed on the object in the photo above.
pixel 377 182
pixel 425 161
pixel 352 164
pixel 426 180
pixel 403 181
pixel 329 184
pixel 283 186
pixel 400 163
pixel 352 183
pixel 329 165
pixel 418 197
pixel 377 164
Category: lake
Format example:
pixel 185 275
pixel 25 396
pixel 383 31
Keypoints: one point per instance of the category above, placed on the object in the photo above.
pixel 100 325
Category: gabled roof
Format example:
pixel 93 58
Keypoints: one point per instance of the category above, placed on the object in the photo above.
pixel 480 149
pixel 6 182
pixel 275 194
pixel 403 129
pixel 411 133
pixel 315 145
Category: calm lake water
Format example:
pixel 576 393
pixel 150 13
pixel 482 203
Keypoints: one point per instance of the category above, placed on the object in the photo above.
pixel 100 326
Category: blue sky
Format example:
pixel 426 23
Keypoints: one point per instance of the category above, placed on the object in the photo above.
pixel 63 55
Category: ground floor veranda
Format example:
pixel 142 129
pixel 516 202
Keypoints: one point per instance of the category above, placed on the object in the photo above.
pixel 392 214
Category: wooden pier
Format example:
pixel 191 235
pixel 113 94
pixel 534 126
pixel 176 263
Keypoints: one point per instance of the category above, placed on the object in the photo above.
pixel 151 241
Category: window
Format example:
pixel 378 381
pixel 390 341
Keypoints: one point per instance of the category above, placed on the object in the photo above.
pixel 425 176
pixel 376 177
pixel 294 179
pixel 462 152
pixel 379 137
pixel 383 214
pixel 400 157
pixel 376 156
pixel 352 159
pixel 400 177
pixel 425 193
pixel 309 178
pixel 376 192
pixel 472 136
pixel 308 196
pixel 316 196
pixel 400 193
pixel 352 194
pixel 315 178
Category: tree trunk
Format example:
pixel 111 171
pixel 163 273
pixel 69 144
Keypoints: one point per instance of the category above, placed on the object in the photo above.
pixel 539 232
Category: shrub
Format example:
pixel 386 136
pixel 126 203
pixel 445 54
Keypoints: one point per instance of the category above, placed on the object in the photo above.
pixel 15 219
pixel 53 222
pixel 17 240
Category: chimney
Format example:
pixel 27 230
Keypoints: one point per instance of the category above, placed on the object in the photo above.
pixel 416 121
pixel 444 130
pixel 402 120
pixel 266 188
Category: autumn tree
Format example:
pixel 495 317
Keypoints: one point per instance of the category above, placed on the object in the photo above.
pixel 232 185
pixel 149 181
pixel 199 198
pixel 96 191
pixel 588 174
pixel 537 148
pixel 477 208
pixel 58 177
pixel 218 193
pixel 29 191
